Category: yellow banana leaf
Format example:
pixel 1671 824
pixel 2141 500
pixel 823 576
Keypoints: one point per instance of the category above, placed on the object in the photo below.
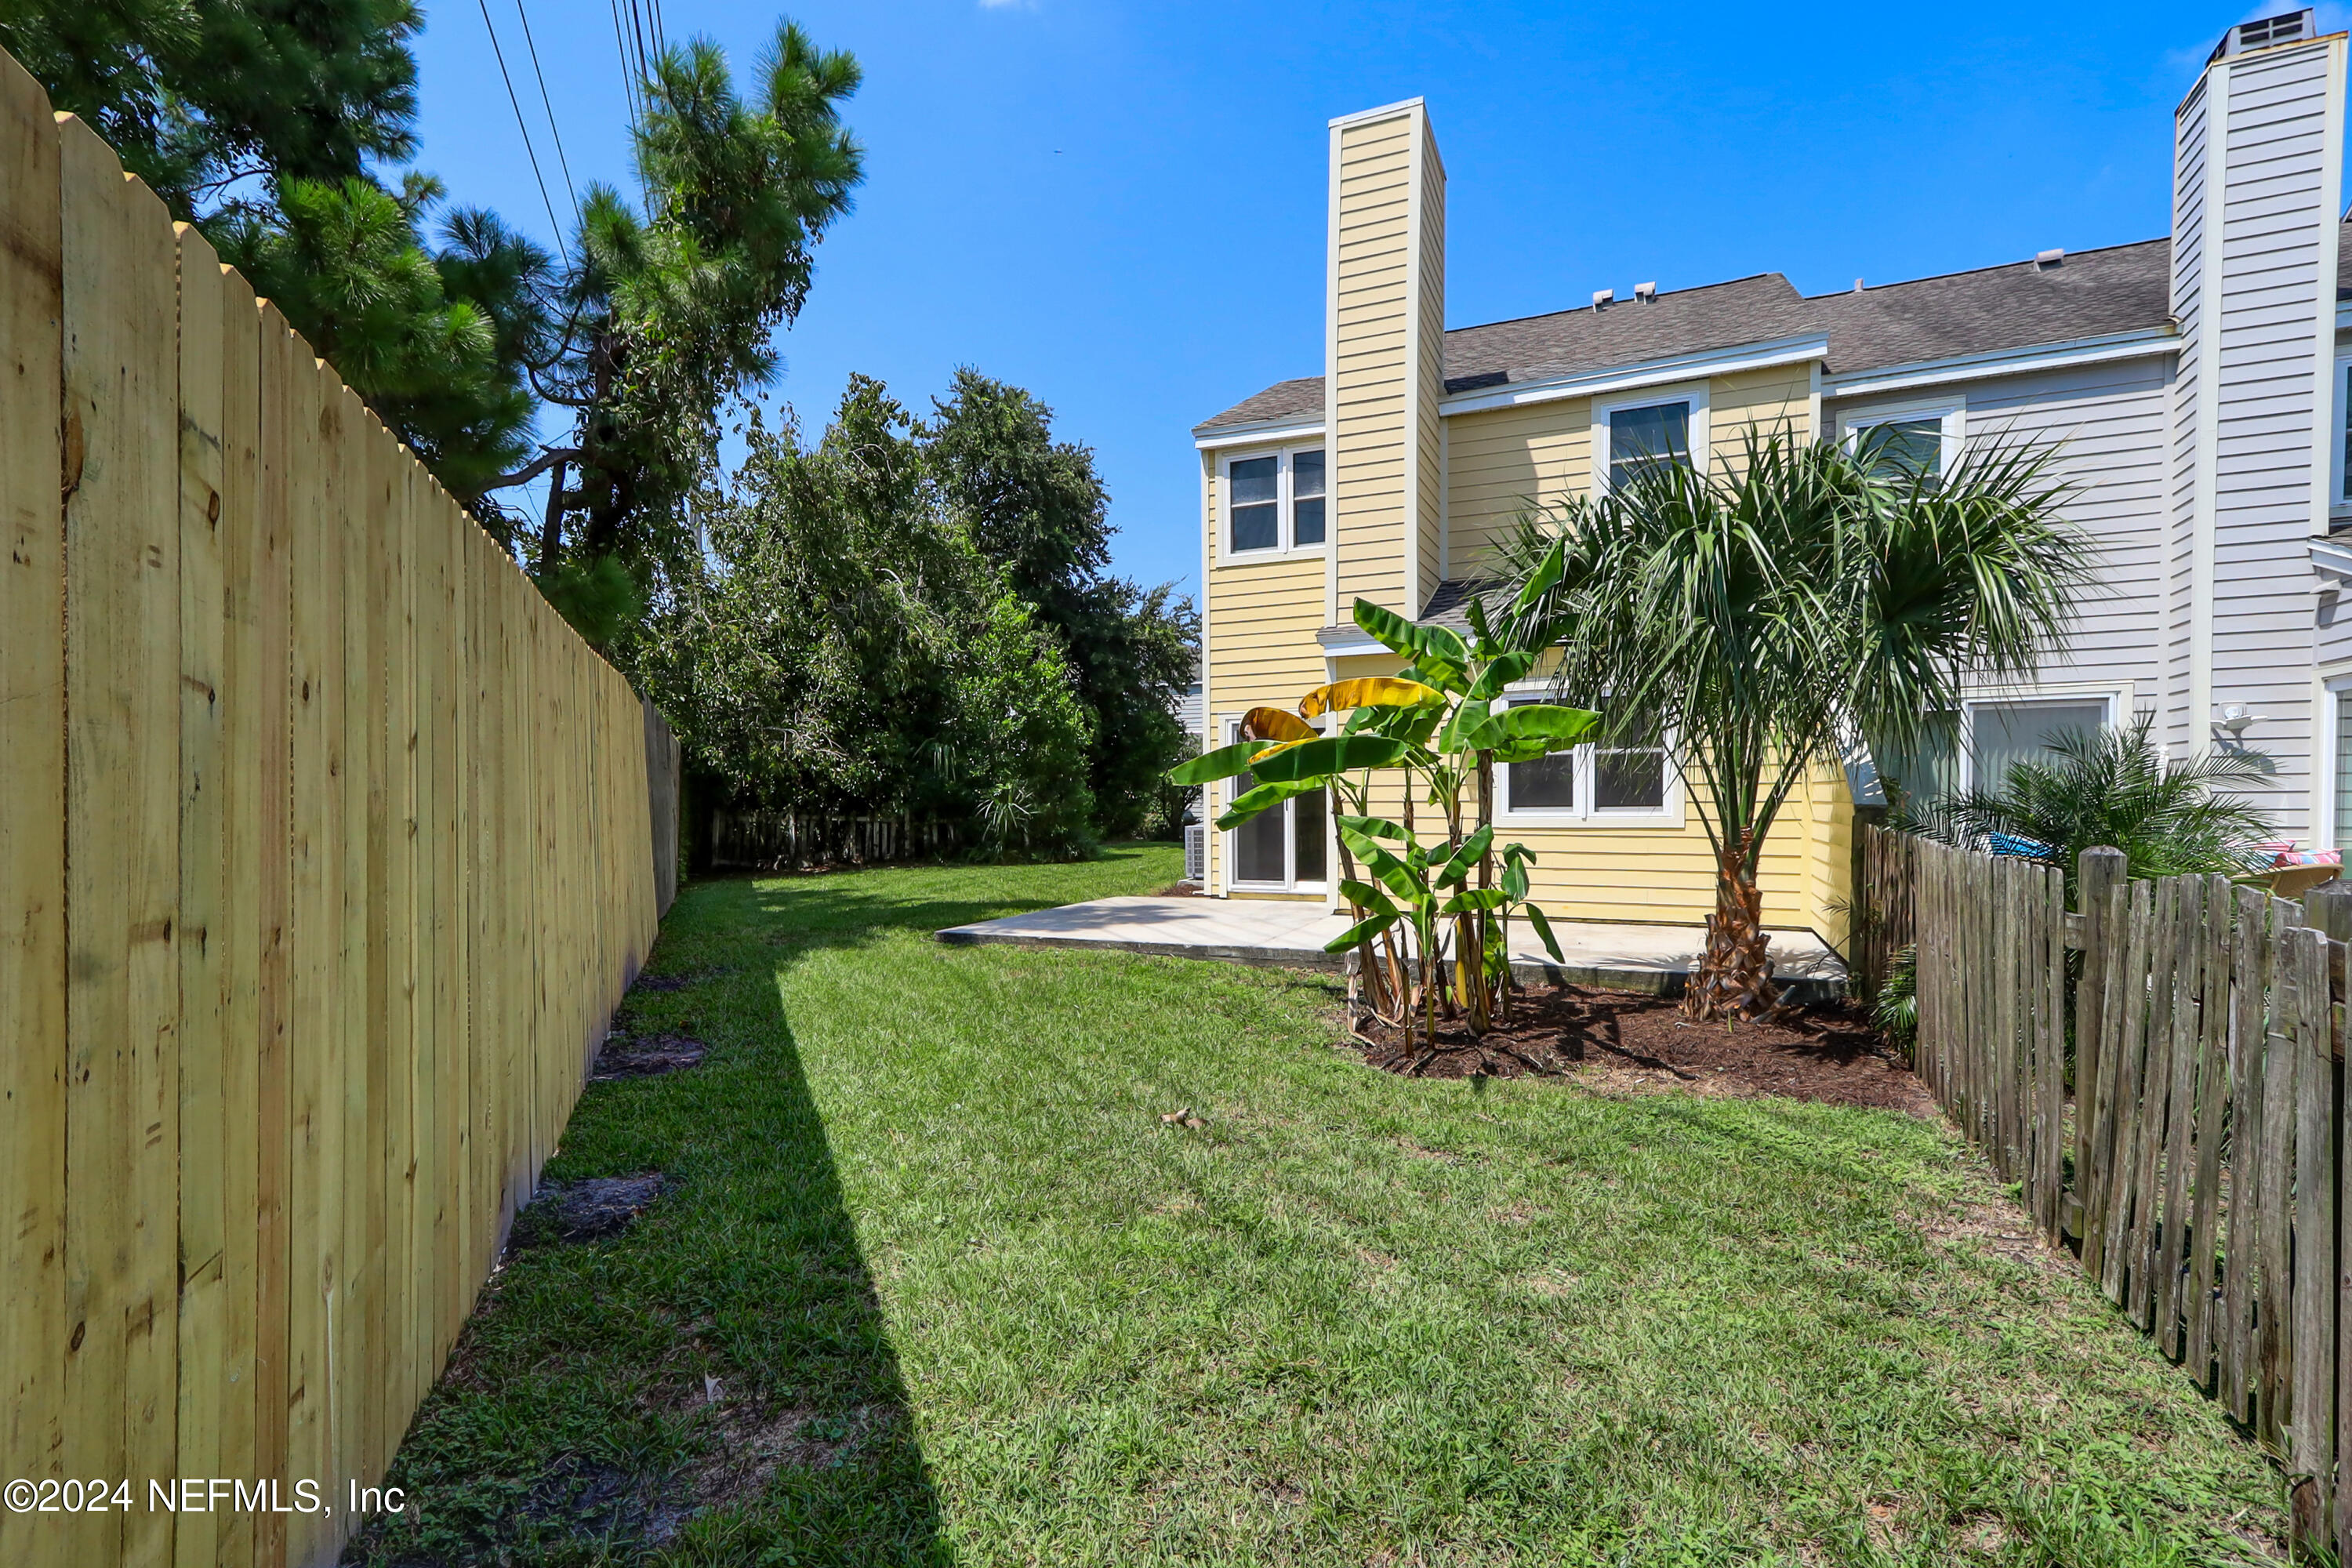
pixel 1274 724
pixel 1370 691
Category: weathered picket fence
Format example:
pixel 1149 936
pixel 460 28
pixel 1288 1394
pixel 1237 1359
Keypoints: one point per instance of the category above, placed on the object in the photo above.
pixel 770 840
pixel 2193 1152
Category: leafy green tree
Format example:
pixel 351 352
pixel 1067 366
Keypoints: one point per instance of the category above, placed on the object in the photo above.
pixel 1757 615
pixel 345 263
pixel 1038 510
pixel 669 313
pixel 847 647
pixel 218 101
pixel 2116 787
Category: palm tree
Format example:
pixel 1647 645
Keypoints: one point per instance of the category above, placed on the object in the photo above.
pixel 1757 619
pixel 2115 788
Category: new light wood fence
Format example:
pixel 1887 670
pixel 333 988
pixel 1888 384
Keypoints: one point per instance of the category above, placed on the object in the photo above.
pixel 2173 1109
pixel 325 853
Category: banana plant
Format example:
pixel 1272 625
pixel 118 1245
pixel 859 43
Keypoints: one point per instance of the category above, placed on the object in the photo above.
pixel 1437 723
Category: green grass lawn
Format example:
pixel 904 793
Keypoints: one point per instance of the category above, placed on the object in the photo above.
pixel 965 1299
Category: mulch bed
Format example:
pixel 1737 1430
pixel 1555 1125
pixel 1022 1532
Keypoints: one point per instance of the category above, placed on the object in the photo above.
pixel 1625 1041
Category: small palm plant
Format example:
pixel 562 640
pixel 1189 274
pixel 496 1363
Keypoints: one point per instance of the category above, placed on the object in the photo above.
pixel 1759 613
pixel 2116 787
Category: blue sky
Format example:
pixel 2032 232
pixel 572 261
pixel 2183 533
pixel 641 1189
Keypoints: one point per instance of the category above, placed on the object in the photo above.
pixel 1121 206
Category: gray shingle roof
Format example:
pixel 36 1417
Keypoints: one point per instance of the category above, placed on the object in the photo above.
pixel 2091 293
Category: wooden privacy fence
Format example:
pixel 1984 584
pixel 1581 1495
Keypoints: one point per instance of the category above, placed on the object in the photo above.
pixel 785 840
pixel 324 857
pixel 2175 1107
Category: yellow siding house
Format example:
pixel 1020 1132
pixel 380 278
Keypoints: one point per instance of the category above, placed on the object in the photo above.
pixel 1385 479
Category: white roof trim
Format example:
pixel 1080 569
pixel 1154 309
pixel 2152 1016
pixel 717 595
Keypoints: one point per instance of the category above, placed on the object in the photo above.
pixel 1363 650
pixel 2332 558
pixel 2003 361
pixel 1651 373
pixel 1401 106
pixel 1259 433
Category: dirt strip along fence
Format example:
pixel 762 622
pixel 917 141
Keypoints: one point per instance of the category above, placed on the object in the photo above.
pixel 2193 1155
pixel 794 841
pixel 324 858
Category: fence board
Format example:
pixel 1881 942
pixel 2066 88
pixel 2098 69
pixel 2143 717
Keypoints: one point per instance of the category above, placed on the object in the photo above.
pixel 2168 1237
pixel 2273 1348
pixel 205 1071
pixel 2212 1100
pixel 33 1322
pixel 2311 1454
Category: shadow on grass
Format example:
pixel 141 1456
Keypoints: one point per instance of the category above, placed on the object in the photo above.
pixel 715 1386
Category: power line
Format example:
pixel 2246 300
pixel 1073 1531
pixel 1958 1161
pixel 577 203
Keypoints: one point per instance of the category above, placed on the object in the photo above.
pixel 524 126
pixel 548 104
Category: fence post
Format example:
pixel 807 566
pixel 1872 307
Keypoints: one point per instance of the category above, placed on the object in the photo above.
pixel 2098 870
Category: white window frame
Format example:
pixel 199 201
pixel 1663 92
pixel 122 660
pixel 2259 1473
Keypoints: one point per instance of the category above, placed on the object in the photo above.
pixel 1227 793
pixel 2335 685
pixel 1691 392
pixel 2340 505
pixel 2118 701
pixel 1952 411
pixel 1668 813
pixel 1283 549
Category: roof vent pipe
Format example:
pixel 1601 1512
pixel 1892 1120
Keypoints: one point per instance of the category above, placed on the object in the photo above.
pixel 1645 291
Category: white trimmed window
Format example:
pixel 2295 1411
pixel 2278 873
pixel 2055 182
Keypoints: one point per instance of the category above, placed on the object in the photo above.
pixel 1591 786
pixel 1665 425
pixel 1998 732
pixel 1913 438
pixel 1284 850
pixel 2338 741
pixel 1275 502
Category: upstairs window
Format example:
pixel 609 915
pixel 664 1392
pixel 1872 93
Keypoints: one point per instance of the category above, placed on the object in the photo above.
pixel 1275 502
pixel 1911 444
pixel 1646 436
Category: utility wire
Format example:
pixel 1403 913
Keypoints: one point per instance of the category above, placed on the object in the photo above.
pixel 548 104
pixel 524 126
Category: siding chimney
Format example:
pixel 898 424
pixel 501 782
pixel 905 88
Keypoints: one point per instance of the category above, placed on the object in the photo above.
pixel 2257 176
pixel 1383 375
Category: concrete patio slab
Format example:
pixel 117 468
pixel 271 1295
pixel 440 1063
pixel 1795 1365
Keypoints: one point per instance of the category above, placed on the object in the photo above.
pixel 1618 956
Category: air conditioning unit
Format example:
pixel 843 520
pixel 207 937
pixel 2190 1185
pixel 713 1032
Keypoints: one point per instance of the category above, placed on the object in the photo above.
pixel 1196 854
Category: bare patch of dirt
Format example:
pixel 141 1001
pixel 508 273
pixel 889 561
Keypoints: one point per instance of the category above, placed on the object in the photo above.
pixel 1179 891
pixel 1623 1041
pixel 645 1056
pixel 586 1211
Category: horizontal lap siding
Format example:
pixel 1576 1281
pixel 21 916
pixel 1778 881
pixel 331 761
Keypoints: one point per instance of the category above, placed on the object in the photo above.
pixel 1370 375
pixel 1765 401
pixel 2109 425
pixel 1505 461
pixel 2276 213
pixel 2178 557
pixel 1429 373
